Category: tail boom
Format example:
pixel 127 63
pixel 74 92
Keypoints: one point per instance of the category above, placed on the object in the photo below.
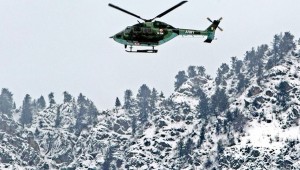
pixel 209 32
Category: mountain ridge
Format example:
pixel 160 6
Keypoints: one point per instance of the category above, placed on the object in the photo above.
pixel 247 117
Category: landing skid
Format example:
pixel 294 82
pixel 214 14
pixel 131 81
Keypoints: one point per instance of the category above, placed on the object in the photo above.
pixel 141 51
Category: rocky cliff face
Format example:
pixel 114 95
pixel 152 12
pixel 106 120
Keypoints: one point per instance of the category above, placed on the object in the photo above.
pixel 251 122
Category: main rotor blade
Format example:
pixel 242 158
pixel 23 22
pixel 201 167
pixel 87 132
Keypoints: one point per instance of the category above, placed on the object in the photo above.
pixel 127 12
pixel 169 10
pixel 209 19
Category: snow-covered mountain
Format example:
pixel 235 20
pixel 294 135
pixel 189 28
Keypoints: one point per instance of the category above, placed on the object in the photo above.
pixel 246 118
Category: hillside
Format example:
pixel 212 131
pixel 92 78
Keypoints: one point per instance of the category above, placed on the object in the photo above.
pixel 247 117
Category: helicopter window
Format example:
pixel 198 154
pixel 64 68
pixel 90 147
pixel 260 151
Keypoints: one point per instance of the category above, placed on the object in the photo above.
pixel 147 30
pixel 137 29
pixel 118 36
pixel 127 30
pixel 162 25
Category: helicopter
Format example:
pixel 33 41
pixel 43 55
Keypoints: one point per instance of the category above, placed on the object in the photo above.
pixel 152 33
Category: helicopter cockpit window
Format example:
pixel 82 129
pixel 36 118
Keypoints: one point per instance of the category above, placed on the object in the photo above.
pixel 161 25
pixel 147 30
pixel 127 30
pixel 137 29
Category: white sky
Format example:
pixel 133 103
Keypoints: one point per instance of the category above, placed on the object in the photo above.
pixel 57 45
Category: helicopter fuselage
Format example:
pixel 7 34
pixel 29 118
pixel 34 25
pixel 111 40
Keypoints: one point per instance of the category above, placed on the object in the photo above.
pixel 151 34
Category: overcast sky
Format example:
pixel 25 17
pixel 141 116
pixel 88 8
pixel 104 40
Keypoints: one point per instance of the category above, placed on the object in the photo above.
pixel 63 45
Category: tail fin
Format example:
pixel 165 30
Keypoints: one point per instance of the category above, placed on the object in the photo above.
pixel 211 30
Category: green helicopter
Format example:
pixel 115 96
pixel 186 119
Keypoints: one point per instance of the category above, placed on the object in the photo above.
pixel 153 33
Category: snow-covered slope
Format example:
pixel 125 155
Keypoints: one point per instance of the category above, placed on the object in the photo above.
pixel 251 122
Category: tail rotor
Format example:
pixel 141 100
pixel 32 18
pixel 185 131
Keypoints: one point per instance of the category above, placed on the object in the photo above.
pixel 218 21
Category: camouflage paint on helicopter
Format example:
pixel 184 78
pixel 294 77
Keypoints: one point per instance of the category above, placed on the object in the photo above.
pixel 153 33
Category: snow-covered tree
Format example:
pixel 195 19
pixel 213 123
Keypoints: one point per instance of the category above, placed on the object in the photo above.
pixel 6 101
pixel 67 97
pixel 26 113
pixel 128 100
pixel 41 103
pixel 143 99
pixel 117 102
pixel 51 99
pixel 180 79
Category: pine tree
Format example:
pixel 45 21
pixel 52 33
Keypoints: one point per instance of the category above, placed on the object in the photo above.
pixel 276 51
pixel 6 102
pixel 51 99
pixel 287 43
pixel 128 101
pixel 26 113
pixel 220 149
pixel 15 106
pixel 203 107
pixel 67 97
pixel 181 149
pixel 192 71
pixel 223 101
pixel 143 98
pixel 81 100
pixel 161 95
pixel 202 136
pixel 108 158
pixel 255 59
pixel 219 101
pixel 133 125
pixel 189 147
pixel 221 72
pixel 41 103
pixel 260 55
pixel 283 93
pixel 201 70
pixel 250 58
pixel 243 83
pixel 34 105
pixel 58 117
pixel 153 99
pixel 117 103
pixel 81 119
pixel 92 113
pixel 236 65
pixel 180 79
pixel 236 119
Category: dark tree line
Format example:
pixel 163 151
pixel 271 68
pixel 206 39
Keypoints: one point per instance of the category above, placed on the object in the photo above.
pixel 84 109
